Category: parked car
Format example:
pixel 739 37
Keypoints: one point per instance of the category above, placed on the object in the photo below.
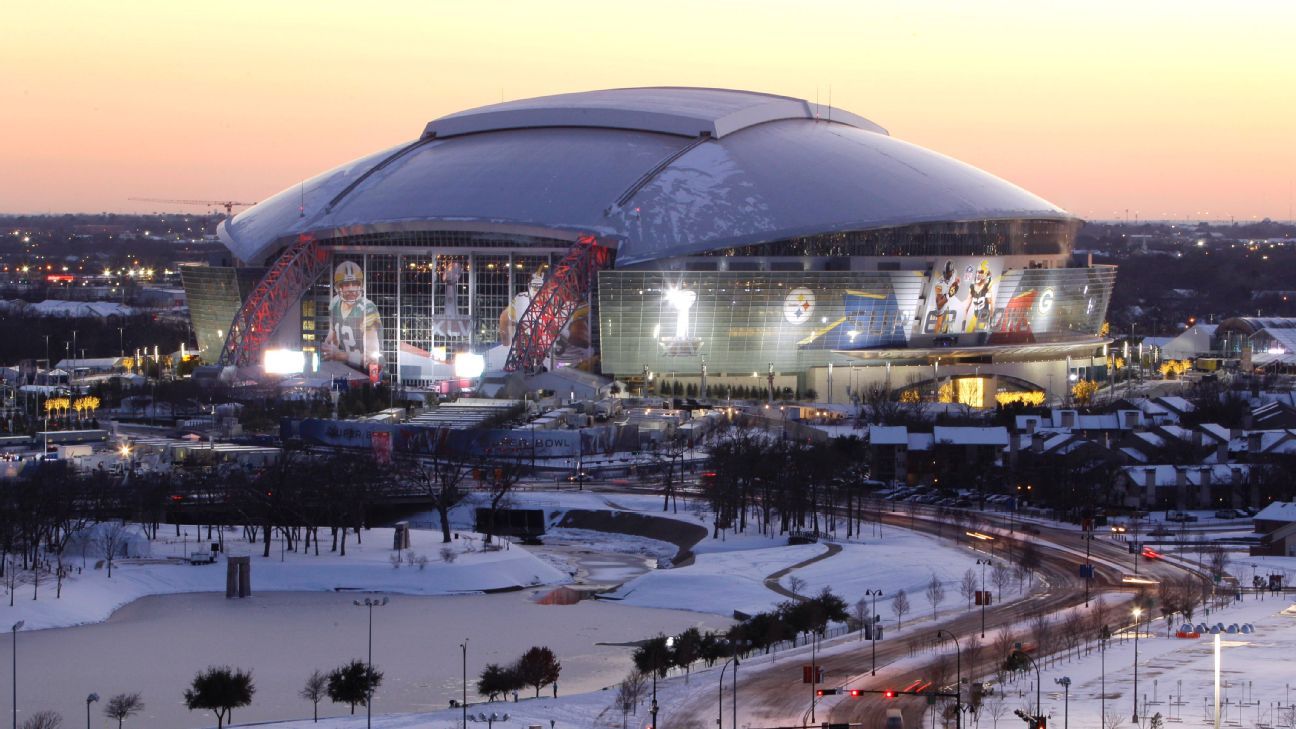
pixel 1226 514
pixel 1160 531
pixel 1181 516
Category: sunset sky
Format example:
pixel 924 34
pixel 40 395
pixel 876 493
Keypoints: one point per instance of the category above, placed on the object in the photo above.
pixel 1171 110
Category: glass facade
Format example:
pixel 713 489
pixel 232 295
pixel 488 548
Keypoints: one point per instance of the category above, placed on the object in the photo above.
pixel 430 303
pixel 975 238
pixel 744 321
pixel 214 295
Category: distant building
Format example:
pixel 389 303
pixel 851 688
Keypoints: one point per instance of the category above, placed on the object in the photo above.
pixel 1276 526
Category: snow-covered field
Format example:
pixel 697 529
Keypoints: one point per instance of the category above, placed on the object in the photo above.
pixel 298 620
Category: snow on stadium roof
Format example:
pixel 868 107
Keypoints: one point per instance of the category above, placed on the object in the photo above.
pixel 658 172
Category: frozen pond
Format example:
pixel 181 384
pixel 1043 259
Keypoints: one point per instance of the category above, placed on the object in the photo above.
pixel 155 646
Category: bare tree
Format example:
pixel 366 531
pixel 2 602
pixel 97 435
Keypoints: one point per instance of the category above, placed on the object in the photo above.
pixel 1041 628
pixel 972 653
pixel 43 720
pixel 1004 644
pixel 441 479
pixel 1021 572
pixel 110 538
pixel 1099 614
pixel 968 586
pixel 935 593
pixel 501 478
pixel 1073 628
pixel 1219 559
pixel 315 690
pixel 121 706
pixel 625 700
pixel 1000 576
pixel 795 585
pixel 996 707
pixel 1113 719
pixel 860 612
pixel 900 606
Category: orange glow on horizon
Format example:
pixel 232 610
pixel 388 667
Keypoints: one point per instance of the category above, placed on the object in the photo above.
pixel 1169 110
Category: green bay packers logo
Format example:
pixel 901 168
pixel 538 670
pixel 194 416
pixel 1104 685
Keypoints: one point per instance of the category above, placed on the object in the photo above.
pixel 798 306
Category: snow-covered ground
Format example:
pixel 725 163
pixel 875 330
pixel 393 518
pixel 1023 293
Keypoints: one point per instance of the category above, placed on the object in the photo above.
pixel 297 621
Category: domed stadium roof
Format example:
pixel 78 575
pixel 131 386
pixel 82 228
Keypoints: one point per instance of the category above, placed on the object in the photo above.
pixel 660 171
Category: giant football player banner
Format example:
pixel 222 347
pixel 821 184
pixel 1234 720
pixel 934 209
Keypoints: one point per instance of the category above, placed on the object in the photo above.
pixel 744 321
pixel 354 327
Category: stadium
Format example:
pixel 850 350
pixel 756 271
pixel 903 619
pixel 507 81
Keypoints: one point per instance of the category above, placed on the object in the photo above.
pixel 709 236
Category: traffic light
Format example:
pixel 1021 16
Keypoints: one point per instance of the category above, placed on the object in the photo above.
pixel 889 694
pixel 856 693
pixel 1041 722
pixel 826 692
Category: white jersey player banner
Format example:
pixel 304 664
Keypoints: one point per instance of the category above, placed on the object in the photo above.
pixel 960 298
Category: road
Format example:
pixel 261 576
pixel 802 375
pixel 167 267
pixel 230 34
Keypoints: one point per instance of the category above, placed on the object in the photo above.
pixel 774 696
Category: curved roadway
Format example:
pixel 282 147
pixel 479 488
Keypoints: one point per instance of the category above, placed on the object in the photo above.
pixel 774 696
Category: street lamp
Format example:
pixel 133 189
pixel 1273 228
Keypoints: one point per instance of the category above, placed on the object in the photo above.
pixel 720 693
pixel 90 700
pixel 1137 612
pixel 985 594
pixel 873 626
pixel 958 678
pixel 814 672
pixel 371 604
pixel 1088 568
pixel 464 647
pixel 16 627
pixel 1065 683
pixel 1034 665
pixel 1102 645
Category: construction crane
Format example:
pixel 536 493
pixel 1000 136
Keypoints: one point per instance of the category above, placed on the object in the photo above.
pixel 229 205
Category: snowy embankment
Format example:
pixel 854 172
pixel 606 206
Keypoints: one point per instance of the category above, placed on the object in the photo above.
pixel 90 596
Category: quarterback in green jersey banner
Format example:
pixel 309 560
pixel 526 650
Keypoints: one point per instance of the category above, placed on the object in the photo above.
pixel 355 329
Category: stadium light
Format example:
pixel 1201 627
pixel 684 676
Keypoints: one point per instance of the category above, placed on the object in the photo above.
pixel 284 361
pixel 468 365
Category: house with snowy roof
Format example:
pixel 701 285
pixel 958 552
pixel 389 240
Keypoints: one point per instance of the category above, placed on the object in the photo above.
pixel 1181 487
pixel 1276 526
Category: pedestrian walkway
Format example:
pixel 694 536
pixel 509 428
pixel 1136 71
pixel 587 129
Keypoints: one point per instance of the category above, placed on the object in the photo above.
pixel 772 582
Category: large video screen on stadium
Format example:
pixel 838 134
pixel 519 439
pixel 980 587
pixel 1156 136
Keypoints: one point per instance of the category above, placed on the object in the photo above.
pixel 745 321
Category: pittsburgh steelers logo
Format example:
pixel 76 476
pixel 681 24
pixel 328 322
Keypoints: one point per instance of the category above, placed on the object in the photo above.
pixel 798 306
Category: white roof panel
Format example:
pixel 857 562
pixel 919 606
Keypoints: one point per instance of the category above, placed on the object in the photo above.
pixel 629 166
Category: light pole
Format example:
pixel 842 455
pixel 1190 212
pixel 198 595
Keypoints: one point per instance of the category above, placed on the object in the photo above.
pixel 1137 612
pixel 734 709
pixel 1088 537
pixel 16 627
pixel 1065 683
pixel 371 604
pixel 464 647
pixel 814 669
pixel 873 626
pixel 720 693
pixel 90 700
pixel 985 594
pixel 1102 645
pixel 958 678
pixel 1034 665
